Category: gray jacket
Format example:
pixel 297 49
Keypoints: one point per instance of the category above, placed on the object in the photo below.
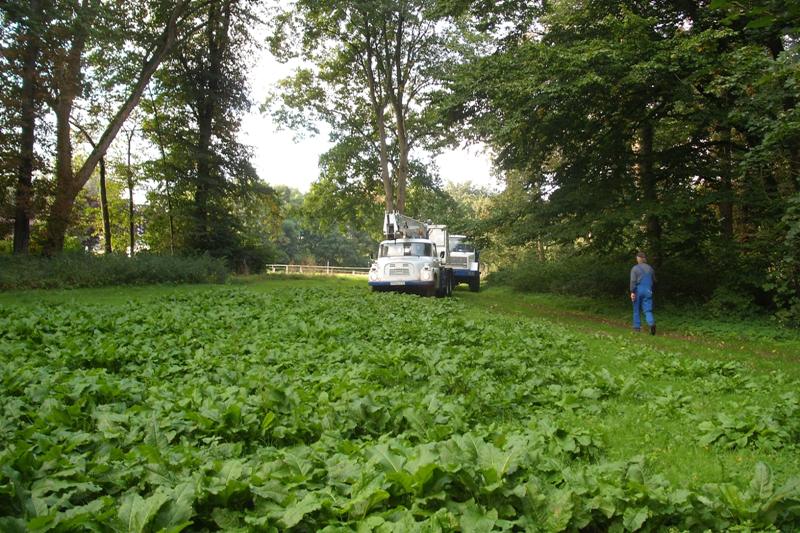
pixel 639 271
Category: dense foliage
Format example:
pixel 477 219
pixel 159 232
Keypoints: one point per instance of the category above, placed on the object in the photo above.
pixel 82 270
pixel 296 408
pixel 623 125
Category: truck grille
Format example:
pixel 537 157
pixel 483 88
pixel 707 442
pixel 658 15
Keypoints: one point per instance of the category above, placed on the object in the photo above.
pixel 399 269
pixel 459 261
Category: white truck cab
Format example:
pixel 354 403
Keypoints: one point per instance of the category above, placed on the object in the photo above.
pixel 408 260
pixel 464 260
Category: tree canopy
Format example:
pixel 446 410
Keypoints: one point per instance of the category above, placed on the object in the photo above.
pixel 615 126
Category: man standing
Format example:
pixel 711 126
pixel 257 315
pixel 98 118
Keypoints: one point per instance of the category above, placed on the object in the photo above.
pixel 642 279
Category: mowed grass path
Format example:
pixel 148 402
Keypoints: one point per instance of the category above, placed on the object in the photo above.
pixel 695 410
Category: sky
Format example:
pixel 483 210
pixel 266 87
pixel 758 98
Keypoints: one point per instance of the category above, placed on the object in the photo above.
pixel 280 160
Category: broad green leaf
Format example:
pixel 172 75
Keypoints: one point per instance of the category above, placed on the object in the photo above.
pixel 634 518
pixel 269 419
pixel 135 512
pixel 368 493
pixel 295 512
pixel 389 461
pixel 228 519
pixel 178 511
pixel 475 520
pixel 559 509
pixel 761 484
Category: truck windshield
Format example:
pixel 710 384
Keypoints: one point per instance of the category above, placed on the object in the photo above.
pixel 398 249
pixel 457 245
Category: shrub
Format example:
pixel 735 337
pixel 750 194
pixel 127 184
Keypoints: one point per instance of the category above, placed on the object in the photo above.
pixel 251 259
pixel 728 303
pixel 607 276
pixel 82 270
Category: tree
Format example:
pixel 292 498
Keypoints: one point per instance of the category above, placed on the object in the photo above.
pixel 628 125
pixel 90 26
pixel 373 63
pixel 27 17
pixel 308 238
pixel 195 109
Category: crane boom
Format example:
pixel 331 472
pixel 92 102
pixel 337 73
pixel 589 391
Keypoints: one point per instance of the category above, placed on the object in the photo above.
pixel 399 226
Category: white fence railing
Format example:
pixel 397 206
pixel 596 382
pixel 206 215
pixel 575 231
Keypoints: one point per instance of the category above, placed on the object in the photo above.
pixel 326 270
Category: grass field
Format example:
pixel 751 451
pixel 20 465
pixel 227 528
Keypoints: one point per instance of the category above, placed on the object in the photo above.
pixel 306 404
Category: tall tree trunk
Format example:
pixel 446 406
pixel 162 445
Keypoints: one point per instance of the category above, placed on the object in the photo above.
pixel 66 191
pixel 726 188
pixel 388 186
pixel 163 152
pixel 103 194
pixel 129 175
pixel 69 183
pixel 396 92
pixel 402 167
pixel 104 207
pixel 203 187
pixel 649 193
pixel 378 102
pixel 23 206
pixel 207 109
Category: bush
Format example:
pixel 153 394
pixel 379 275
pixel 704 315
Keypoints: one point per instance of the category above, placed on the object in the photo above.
pixel 727 303
pixel 82 270
pixel 251 259
pixel 607 276
pixel 579 275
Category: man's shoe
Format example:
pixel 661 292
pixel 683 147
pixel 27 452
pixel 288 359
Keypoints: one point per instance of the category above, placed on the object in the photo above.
pixel 637 330
pixel 653 329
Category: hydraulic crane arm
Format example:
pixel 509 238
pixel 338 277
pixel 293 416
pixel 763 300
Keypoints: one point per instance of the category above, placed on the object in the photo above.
pixel 397 226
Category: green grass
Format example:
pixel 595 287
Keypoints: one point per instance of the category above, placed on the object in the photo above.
pixel 71 270
pixel 679 329
pixel 638 397
pixel 763 351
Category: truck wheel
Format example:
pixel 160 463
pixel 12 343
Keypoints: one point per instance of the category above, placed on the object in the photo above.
pixel 447 285
pixel 432 290
pixel 441 285
pixel 475 284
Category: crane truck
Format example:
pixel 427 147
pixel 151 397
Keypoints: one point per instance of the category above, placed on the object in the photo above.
pixel 413 257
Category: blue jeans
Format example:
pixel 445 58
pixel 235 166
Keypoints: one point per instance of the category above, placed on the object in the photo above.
pixel 643 303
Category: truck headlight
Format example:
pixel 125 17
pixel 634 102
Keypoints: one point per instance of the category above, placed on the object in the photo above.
pixel 426 274
pixel 373 273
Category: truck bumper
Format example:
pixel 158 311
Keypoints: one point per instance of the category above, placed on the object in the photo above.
pixel 407 283
pixel 463 273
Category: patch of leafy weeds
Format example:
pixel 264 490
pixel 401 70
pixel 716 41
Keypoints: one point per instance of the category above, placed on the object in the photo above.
pixel 775 426
pixel 332 409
